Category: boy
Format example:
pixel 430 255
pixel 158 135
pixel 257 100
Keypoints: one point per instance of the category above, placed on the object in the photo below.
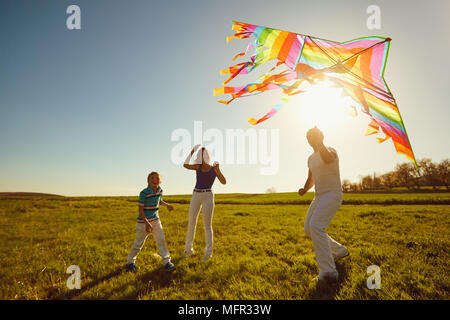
pixel 323 171
pixel 148 221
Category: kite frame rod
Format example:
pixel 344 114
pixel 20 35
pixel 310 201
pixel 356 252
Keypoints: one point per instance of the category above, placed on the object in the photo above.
pixel 358 53
pixel 380 90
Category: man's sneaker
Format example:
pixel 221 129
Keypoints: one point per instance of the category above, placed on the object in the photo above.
pixel 169 266
pixel 328 278
pixel 131 267
pixel 341 254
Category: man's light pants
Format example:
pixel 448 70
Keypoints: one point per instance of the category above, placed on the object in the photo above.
pixel 141 236
pixel 320 213
pixel 199 200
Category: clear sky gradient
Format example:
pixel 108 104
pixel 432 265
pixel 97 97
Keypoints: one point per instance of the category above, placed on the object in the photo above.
pixel 91 111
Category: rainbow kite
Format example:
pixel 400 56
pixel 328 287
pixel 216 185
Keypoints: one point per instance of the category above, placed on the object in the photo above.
pixel 356 66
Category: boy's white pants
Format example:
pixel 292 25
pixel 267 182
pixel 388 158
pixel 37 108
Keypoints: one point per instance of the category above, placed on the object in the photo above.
pixel 199 200
pixel 141 236
pixel 320 213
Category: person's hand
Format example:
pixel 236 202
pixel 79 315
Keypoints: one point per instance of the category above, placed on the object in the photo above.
pixel 301 191
pixel 195 148
pixel 148 226
pixel 169 207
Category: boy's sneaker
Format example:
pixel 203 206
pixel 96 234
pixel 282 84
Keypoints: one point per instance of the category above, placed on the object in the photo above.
pixel 131 267
pixel 169 266
pixel 341 254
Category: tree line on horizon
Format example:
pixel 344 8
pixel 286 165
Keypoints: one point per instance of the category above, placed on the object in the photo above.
pixel 405 175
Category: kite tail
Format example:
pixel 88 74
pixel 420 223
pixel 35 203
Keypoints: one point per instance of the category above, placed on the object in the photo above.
pixel 271 112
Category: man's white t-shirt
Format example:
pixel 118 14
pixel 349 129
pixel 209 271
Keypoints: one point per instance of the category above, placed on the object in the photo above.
pixel 326 175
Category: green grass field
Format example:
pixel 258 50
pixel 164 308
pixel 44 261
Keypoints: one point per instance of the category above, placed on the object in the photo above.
pixel 260 250
pixel 349 198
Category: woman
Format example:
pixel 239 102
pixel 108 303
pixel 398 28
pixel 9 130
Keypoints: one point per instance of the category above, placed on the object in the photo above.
pixel 202 197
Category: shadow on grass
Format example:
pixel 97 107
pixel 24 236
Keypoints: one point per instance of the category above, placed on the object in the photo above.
pixel 158 278
pixel 325 292
pixel 155 280
pixel 74 293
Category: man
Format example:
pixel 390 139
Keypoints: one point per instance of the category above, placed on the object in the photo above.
pixel 148 221
pixel 323 172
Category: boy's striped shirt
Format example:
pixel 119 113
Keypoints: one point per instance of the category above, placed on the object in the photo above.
pixel 150 201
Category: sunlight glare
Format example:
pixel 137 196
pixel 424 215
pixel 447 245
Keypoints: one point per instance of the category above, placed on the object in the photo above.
pixel 323 106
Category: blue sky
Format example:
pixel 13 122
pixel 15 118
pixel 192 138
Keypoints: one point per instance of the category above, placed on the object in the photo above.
pixel 91 111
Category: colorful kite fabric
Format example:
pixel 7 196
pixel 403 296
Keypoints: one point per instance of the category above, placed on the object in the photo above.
pixel 357 66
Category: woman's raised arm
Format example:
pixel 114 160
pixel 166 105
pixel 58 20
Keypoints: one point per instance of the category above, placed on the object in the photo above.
pixel 219 173
pixel 188 159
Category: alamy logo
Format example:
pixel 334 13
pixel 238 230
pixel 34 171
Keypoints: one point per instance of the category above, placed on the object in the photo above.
pixel 74 281
pixel 74 20
pixel 374 281
pixel 234 146
pixel 374 20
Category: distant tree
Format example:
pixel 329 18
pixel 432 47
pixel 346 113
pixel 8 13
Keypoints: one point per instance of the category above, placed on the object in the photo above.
pixel 416 177
pixel 367 182
pixel 271 190
pixel 355 187
pixel 388 180
pixel 429 173
pixel 376 180
pixel 346 185
pixel 405 174
pixel 443 169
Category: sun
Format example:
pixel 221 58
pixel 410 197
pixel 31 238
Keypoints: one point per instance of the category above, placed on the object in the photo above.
pixel 323 106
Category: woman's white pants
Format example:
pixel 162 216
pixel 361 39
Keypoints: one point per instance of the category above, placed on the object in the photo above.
pixel 320 213
pixel 199 200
